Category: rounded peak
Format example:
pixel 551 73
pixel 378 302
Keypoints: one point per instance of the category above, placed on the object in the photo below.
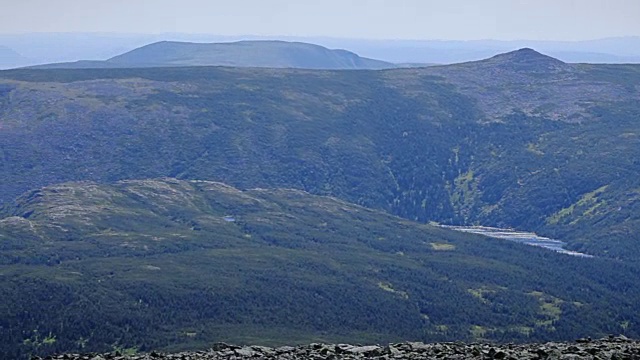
pixel 528 59
pixel 526 54
pixel 526 50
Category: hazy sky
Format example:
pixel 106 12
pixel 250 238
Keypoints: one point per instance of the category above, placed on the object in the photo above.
pixel 387 19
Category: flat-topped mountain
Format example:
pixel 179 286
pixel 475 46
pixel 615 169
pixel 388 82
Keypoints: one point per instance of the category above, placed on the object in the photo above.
pixel 270 54
pixel 172 264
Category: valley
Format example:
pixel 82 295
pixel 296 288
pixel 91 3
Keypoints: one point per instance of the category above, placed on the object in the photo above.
pixel 521 237
pixel 168 207
pixel 323 180
pixel 520 140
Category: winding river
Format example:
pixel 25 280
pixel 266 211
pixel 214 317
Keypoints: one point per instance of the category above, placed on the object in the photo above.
pixel 527 238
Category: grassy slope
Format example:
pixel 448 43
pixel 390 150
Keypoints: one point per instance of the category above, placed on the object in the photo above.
pixel 157 264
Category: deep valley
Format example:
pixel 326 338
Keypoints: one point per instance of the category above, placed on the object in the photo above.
pixel 168 208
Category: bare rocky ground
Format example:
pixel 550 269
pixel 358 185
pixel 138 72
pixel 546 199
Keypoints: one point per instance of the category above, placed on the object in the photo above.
pixel 613 348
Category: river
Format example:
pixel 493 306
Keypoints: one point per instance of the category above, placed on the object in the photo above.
pixel 527 238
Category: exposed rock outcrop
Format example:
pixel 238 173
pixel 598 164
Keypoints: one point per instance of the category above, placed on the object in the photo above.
pixel 618 348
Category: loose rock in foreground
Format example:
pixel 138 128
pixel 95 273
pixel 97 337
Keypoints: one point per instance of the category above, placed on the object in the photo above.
pixel 612 348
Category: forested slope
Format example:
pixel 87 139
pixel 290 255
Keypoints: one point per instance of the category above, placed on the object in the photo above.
pixel 170 264
pixel 519 140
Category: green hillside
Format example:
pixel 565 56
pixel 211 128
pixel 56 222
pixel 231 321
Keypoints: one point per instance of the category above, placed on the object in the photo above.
pixel 171 264
pixel 269 54
pixel 519 140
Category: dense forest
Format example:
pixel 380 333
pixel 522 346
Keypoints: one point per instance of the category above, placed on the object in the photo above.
pixel 170 264
pixel 519 140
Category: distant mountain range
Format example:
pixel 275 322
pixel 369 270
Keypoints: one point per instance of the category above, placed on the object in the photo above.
pixel 47 48
pixel 270 54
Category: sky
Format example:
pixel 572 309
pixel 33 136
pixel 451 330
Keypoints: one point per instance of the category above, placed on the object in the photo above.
pixel 364 19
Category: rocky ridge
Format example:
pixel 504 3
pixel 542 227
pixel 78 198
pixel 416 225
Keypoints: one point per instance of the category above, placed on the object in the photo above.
pixel 615 348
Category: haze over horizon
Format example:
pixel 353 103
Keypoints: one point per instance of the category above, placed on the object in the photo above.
pixel 568 20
